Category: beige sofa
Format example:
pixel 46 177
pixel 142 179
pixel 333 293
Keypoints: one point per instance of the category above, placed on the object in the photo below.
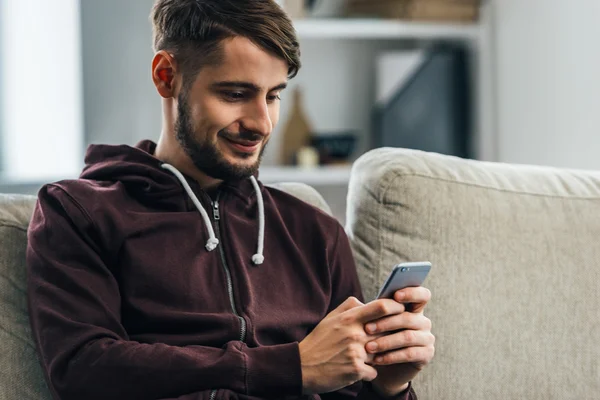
pixel 515 278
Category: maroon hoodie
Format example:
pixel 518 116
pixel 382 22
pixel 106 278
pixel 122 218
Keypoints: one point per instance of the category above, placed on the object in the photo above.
pixel 126 302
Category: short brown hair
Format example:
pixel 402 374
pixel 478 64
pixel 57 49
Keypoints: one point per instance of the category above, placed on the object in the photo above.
pixel 189 28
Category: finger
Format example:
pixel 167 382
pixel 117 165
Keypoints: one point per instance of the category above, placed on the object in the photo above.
pixel 413 295
pixel 369 373
pixel 406 320
pixel 348 304
pixel 420 356
pixel 400 340
pixel 369 358
pixel 418 297
pixel 375 310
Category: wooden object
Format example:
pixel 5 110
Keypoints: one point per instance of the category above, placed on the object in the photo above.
pixel 297 130
pixel 294 8
pixel 442 11
pixel 421 10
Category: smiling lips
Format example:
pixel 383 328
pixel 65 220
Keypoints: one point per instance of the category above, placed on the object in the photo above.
pixel 244 146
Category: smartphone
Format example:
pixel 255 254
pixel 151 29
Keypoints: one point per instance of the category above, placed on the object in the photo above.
pixel 404 275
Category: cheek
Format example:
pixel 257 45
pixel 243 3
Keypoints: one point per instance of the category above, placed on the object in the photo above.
pixel 211 116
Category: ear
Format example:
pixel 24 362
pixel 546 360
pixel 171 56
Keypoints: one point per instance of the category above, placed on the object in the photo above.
pixel 164 73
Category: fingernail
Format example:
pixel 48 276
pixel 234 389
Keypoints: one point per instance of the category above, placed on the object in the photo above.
pixel 371 328
pixel 400 296
pixel 378 359
pixel 372 346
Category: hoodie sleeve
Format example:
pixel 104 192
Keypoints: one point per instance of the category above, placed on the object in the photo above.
pixel 74 305
pixel 345 283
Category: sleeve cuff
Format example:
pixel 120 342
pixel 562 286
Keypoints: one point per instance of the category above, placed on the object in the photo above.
pixel 273 370
pixel 369 393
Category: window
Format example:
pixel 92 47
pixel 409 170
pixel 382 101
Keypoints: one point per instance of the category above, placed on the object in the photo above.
pixel 41 118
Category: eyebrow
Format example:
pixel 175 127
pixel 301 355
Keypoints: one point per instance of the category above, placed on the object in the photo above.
pixel 245 85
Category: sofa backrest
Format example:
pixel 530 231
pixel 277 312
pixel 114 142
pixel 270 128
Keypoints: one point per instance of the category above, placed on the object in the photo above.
pixel 20 373
pixel 516 268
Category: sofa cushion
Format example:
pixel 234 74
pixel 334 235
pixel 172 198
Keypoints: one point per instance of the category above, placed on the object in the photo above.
pixel 21 375
pixel 305 193
pixel 516 268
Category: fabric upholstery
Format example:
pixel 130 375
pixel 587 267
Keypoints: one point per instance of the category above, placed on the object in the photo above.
pixel 305 193
pixel 516 269
pixel 20 373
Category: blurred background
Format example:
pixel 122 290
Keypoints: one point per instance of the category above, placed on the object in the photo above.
pixel 498 80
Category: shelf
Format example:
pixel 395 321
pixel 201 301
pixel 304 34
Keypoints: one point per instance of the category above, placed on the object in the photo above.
pixel 383 29
pixel 22 186
pixel 334 175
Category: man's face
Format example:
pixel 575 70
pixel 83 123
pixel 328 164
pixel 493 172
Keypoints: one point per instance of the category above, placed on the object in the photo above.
pixel 226 117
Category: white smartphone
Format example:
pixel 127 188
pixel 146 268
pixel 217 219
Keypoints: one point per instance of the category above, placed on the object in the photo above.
pixel 404 275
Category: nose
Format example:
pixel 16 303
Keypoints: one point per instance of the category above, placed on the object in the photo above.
pixel 258 119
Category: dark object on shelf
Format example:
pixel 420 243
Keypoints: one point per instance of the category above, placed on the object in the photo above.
pixel 311 4
pixel 335 148
pixel 431 112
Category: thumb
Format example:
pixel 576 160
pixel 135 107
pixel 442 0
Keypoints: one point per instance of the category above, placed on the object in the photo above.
pixel 350 303
pixel 369 373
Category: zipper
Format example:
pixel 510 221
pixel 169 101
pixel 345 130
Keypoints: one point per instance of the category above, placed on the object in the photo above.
pixel 217 218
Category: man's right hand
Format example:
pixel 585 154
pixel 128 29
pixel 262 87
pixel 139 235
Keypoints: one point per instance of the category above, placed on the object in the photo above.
pixel 333 355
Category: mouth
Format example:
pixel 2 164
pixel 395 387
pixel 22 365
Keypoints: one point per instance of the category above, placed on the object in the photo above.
pixel 243 146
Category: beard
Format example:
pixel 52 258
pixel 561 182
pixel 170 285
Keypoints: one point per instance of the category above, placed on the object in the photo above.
pixel 205 155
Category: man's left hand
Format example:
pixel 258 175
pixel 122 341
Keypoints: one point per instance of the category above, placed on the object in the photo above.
pixel 406 344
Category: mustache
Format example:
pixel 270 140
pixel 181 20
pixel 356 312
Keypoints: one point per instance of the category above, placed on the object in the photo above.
pixel 244 135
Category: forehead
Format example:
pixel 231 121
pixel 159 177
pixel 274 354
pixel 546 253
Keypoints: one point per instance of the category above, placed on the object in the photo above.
pixel 244 61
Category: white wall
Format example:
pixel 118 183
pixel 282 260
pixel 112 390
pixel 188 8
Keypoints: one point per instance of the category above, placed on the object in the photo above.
pixel 120 102
pixel 548 71
pixel 40 89
pixel 85 79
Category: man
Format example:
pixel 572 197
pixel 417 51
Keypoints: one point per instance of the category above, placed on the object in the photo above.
pixel 168 271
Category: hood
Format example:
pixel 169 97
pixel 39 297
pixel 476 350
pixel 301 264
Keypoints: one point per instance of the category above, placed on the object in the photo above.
pixel 141 172
pixel 149 179
pixel 136 167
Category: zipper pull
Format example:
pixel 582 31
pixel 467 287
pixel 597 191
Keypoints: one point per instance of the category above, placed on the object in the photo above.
pixel 216 213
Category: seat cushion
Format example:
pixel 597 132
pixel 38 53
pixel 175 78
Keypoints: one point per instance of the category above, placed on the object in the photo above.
pixel 516 268
pixel 21 375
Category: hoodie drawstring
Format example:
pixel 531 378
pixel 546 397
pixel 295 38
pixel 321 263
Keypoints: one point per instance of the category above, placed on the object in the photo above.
pixel 259 258
pixel 213 242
